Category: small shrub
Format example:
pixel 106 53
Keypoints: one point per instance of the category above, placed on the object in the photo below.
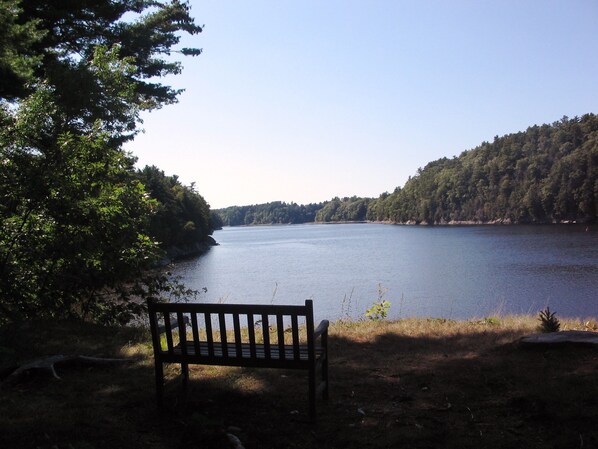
pixel 378 311
pixel 548 321
pixel 380 308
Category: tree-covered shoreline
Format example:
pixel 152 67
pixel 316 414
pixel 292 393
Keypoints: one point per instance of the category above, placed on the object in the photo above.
pixel 546 174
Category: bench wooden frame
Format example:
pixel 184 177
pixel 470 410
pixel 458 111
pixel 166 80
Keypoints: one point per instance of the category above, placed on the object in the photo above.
pixel 230 346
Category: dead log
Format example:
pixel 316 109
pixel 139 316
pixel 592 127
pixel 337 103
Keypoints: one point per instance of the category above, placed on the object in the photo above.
pixel 564 338
pixel 235 443
pixel 49 364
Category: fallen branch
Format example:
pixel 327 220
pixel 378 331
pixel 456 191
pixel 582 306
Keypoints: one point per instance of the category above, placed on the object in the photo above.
pixel 49 364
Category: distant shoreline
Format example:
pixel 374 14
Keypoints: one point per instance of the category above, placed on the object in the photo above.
pixel 413 223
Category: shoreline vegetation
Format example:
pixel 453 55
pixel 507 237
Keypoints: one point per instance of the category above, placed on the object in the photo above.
pixel 497 222
pixel 450 223
pixel 414 382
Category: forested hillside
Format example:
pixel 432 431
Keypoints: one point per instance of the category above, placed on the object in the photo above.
pixel 548 173
pixel 545 174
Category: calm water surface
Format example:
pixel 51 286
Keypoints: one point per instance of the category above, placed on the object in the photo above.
pixel 451 272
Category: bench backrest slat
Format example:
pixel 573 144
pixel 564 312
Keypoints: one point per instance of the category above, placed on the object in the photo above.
pixel 251 332
pixel 195 330
pixel 295 332
pixel 242 309
pixel 210 335
pixel 154 325
pixel 280 329
pixel 223 340
pixel 266 334
pixel 168 328
pixel 237 328
pixel 311 347
pixel 182 332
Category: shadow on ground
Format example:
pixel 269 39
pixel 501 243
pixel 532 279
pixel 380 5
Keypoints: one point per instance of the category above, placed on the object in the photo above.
pixel 398 391
pixel 469 390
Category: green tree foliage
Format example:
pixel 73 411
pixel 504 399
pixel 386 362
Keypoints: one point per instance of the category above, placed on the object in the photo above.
pixel 76 236
pixel 546 174
pixel 73 219
pixel 73 41
pixel 345 210
pixel 17 63
pixel 181 217
pixel 335 210
pixel 216 220
pixel 277 212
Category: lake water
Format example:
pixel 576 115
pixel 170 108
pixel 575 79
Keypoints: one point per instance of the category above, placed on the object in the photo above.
pixel 442 271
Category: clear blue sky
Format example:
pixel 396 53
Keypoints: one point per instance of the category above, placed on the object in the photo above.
pixel 307 100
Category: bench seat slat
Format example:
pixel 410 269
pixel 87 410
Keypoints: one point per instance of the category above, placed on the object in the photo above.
pixel 246 350
pixel 225 354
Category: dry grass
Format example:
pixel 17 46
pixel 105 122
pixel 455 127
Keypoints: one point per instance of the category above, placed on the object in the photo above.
pixel 414 383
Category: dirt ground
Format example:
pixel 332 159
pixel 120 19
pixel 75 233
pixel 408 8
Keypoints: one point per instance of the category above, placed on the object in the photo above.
pixel 408 384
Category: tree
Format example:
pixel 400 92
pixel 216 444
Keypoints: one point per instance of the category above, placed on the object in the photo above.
pixel 181 216
pixel 73 230
pixel 75 237
pixel 17 62
pixel 73 43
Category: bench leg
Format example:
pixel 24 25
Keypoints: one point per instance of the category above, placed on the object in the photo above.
pixel 325 377
pixel 185 373
pixel 159 383
pixel 312 393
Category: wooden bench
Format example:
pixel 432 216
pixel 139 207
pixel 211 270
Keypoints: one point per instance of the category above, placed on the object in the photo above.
pixel 262 336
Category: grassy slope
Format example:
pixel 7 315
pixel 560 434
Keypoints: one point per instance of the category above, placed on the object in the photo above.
pixel 411 384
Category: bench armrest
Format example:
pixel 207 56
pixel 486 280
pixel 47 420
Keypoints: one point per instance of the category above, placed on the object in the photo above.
pixel 322 329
